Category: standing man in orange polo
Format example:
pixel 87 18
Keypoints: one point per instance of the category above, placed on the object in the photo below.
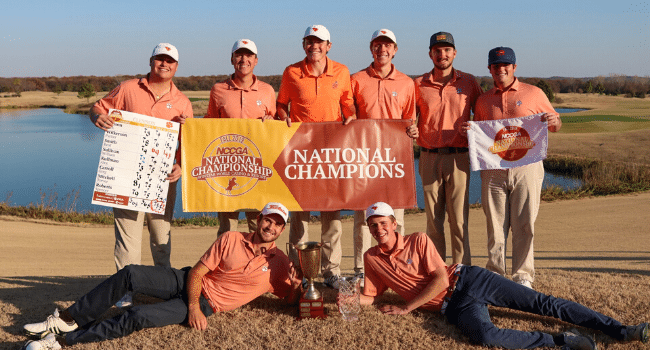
pixel 510 197
pixel 154 95
pixel 445 98
pixel 381 92
pixel 317 89
pixel 241 96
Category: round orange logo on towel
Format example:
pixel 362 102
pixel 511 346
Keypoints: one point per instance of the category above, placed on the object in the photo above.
pixel 512 143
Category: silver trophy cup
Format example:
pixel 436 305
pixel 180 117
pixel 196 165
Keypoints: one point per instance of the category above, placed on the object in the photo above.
pixel 309 257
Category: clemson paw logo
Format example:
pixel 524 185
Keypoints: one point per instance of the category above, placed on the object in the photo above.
pixel 441 37
pixel 168 48
pixel 501 53
pixel 169 124
pixel 244 42
pixel 335 85
pixel 383 32
pixel 315 29
pixel 374 208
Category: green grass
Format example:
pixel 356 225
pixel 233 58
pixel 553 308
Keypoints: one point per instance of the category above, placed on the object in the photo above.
pixel 605 118
pixel 194 99
pixel 602 123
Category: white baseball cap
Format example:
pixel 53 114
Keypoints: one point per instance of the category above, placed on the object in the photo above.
pixel 244 44
pixel 165 49
pixel 383 32
pixel 379 209
pixel 276 208
pixel 318 31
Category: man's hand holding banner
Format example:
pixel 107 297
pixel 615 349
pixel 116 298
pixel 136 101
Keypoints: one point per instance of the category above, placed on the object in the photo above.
pixel 507 143
pixel 236 164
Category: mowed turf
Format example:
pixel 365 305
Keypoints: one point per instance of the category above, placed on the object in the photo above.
pixel 592 251
pixel 604 113
pixel 613 129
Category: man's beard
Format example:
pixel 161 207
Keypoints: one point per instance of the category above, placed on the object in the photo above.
pixel 443 65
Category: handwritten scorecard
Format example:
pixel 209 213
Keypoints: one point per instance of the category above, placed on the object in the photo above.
pixel 137 154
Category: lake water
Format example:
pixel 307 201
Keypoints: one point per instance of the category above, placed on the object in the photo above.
pixel 48 155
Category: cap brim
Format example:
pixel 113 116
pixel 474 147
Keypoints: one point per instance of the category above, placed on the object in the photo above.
pixel 164 54
pixel 500 61
pixel 442 44
pixel 245 49
pixel 383 36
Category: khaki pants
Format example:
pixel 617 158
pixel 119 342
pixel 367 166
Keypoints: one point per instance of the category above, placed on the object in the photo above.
pixel 128 233
pixel 230 221
pixel 510 200
pixel 362 235
pixel 445 181
pixel 331 230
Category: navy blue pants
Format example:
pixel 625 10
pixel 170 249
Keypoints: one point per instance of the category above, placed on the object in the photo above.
pixel 157 281
pixel 477 288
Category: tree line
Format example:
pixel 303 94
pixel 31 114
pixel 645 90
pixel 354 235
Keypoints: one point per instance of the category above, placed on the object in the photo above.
pixel 630 86
pixel 612 85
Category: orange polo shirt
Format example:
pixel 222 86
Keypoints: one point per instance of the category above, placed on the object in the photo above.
pixel 444 108
pixel 375 97
pixel 237 276
pixel 136 96
pixel 518 100
pixel 407 270
pixel 317 98
pixel 227 100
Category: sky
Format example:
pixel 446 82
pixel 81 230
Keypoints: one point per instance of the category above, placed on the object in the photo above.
pixel 579 38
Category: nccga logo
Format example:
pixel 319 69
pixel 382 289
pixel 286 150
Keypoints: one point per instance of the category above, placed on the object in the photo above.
pixel 116 116
pixel 512 143
pixel 231 165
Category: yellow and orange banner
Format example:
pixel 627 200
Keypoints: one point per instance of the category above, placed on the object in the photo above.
pixel 239 164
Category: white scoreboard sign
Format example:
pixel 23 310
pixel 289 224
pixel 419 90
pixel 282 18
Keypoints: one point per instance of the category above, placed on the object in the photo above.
pixel 137 155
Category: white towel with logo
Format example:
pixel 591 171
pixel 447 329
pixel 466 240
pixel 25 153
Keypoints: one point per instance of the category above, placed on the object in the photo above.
pixel 507 143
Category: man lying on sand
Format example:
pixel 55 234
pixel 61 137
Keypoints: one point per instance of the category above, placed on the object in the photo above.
pixel 412 268
pixel 236 269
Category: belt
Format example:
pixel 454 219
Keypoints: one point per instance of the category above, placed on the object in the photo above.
pixel 452 286
pixel 445 150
